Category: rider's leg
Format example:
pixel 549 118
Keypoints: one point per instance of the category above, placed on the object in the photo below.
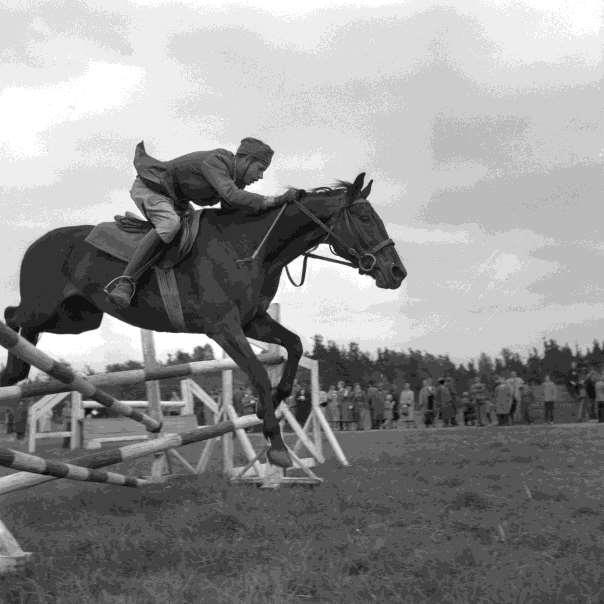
pixel 125 286
pixel 159 209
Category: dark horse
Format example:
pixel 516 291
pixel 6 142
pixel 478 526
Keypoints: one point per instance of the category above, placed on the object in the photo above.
pixel 62 280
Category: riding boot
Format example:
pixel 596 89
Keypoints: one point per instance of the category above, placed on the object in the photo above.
pixel 125 285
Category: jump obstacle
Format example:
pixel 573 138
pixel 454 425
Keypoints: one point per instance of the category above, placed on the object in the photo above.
pixel 36 470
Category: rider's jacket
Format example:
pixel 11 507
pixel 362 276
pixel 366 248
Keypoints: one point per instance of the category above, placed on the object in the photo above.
pixel 203 177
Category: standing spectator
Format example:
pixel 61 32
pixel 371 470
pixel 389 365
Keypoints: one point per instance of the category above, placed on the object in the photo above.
pixel 443 402
pixel 332 410
pixel 550 394
pixel 21 420
pixel 388 412
pixel 573 381
pixel 515 383
pixel 303 405
pixel 426 402
pixel 582 403
pixel 503 402
pixel 406 404
pixel 378 407
pixel 590 391
pixel 345 406
pixel 599 388
pixel 527 400
pixel 450 384
pixel 361 415
pixel 372 401
pixel 468 410
pixel 478 395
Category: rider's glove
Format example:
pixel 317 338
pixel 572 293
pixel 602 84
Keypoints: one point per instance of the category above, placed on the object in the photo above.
pixel 288 197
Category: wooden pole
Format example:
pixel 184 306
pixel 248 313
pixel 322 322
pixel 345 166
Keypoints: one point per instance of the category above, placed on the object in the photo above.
pixel 225 401
pixel 316 407
pixel 161 464
pixel 58 469
pixel 12 394
pixel 27 352
pixel 108 457
pixel 77 424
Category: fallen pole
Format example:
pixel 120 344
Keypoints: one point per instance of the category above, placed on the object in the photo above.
pixel 108 457
pixel 27 352
pixel 59 469
pixel 12 394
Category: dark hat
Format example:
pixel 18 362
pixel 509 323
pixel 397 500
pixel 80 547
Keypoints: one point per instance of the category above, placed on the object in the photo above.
pixel 257 149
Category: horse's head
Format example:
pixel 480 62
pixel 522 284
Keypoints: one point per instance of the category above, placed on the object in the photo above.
pixel 361 237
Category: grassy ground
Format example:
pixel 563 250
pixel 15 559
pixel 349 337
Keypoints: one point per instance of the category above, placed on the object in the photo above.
pixel 451 515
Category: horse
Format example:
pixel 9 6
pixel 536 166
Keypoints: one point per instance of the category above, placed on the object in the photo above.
pixel 62 282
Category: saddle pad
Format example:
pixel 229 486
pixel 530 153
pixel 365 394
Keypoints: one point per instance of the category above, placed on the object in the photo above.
pixel 113 240
pixel 109 238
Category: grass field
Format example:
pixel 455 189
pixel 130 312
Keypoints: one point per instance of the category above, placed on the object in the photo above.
pixel 472 515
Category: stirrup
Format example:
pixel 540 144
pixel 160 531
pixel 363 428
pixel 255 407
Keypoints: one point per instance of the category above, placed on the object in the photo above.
pixel 108 289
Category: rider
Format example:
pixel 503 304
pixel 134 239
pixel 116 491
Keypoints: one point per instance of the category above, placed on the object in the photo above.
pixel 162 191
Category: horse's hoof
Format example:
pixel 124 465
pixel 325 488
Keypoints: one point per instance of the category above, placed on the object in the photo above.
pixel 279 457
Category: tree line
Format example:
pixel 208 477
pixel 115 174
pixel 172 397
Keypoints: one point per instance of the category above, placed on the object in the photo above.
pixel 390 367
pixel 394 368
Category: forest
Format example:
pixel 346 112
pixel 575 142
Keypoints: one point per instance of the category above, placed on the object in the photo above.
pixel 392 368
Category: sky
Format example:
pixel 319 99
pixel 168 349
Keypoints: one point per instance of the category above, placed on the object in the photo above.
pixel 480 123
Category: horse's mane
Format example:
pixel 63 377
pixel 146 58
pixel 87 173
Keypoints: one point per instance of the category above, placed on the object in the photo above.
pixel 338 187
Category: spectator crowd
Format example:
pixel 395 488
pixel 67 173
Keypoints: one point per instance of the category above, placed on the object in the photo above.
pixel 438 402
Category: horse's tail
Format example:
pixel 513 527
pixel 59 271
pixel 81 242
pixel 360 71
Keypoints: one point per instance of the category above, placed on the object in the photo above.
pixel 10 317
pixel 16 369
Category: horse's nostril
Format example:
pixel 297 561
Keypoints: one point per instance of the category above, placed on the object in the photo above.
pixel 398 273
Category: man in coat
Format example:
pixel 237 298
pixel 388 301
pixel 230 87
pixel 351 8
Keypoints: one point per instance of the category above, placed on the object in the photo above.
pixel 443 402
pixel 515 383
pixel 478 395
pixel 550 396
pixel 162 191
pixel 504 396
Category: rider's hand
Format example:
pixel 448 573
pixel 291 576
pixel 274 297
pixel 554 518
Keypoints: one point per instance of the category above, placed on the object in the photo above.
pixel 289 196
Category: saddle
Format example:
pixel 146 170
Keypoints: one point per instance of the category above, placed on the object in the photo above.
pixel 121 237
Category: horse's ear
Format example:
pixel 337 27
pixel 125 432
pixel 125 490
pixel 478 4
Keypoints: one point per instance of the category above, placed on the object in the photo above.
pixel 365 192
pixel 357 185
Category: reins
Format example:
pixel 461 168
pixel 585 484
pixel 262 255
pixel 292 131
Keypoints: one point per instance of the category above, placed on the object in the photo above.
pixel 329 233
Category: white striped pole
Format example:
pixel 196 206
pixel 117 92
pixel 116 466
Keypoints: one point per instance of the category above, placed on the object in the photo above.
pixel 58 469
pixel 12 394
pixel 108 457
pixel 27 352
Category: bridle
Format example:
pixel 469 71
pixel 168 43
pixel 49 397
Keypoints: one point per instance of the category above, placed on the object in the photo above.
pixel 365 260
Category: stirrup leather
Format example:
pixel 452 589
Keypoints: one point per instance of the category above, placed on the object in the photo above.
pixel 115 282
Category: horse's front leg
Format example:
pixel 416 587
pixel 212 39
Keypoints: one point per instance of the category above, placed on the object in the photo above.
pixel 234 342
pixel 266 329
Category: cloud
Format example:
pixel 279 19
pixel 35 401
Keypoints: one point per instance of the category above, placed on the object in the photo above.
pixel 28 112
pixel 408 234
pixel 480 122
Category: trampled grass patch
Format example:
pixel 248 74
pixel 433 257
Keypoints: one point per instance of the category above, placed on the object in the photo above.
pixel 461 515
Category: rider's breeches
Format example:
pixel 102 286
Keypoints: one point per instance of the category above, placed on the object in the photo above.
pixel 159 210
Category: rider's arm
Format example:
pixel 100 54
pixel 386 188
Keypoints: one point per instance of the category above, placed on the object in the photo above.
pixel 216 171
